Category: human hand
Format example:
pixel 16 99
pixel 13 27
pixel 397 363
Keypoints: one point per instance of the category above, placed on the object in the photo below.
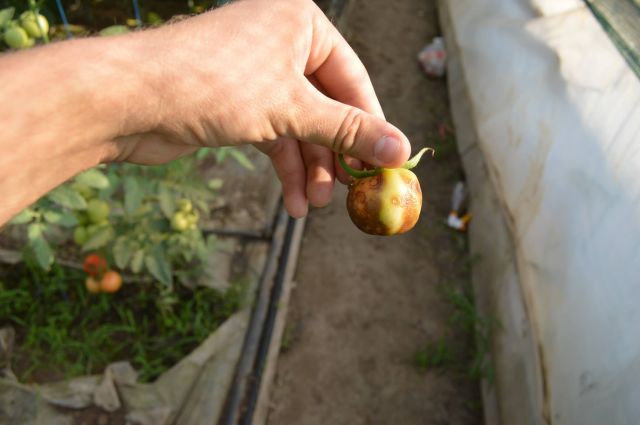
pixel 273 73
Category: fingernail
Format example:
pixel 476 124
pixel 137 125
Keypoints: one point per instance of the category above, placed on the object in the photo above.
pixel 387 149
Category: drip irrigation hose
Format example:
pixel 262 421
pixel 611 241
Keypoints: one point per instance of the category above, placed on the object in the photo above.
pixel 136 12
pixel 63 16
pixel 267 333
pixel 245 370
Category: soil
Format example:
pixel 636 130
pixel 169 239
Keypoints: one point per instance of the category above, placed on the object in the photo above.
pixel 364 305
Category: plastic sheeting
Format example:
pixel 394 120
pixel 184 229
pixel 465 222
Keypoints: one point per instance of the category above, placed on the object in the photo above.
pixel 555 111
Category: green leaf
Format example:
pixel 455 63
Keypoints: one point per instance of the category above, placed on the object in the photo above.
pixel 114 182
pixel 167 203
pixel 102 237
pixel 52 216
pixel 42 252
pixel 122 252
pixel 158 266
pixel 64 218
pixel 93 178
pixel 114 30
pixel 35 230
pixel 67 197
pixel 242 159
pixel 68 219
pixel 221 154
pixel 203 153
pixel 137 260
pixel 23 217
pixel 133 195
pixel 6 15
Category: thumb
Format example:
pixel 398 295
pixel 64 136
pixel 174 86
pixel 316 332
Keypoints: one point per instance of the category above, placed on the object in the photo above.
pixel 349 130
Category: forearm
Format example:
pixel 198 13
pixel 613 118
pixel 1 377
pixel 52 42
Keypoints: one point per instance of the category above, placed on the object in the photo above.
pixel 62 107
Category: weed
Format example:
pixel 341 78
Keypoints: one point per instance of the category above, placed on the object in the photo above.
pixel 433 356
pixel 449 352
pixel 63 330
pixel 287 337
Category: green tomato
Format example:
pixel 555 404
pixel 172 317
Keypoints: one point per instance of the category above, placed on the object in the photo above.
pixel 185 205
pixel 85 191
pixel 180 221
pixel 80 235
pixel 98 211
pixel 30 24
pixel 193 217
pixel 17 38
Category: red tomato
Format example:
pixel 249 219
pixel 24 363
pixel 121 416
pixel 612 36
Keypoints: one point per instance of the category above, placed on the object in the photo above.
pixel 94 265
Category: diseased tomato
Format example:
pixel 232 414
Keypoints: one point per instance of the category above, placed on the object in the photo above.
pixel 92 284
pixel 111 282
pixel 388 203
pixel 94 265
pixel 385 201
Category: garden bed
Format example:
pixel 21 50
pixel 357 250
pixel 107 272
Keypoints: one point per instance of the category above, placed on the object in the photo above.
pixel 68 340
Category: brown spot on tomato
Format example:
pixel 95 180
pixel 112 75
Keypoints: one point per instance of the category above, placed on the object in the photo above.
pixel 368 195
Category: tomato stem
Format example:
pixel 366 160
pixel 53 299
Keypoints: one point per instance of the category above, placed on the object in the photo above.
pixel 357 173
pixel 414 161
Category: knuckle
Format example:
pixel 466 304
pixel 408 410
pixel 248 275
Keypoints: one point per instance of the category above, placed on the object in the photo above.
pixel 347 135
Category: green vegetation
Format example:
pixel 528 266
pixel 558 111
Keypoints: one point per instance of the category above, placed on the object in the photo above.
pixel 451 351
pixel 62 328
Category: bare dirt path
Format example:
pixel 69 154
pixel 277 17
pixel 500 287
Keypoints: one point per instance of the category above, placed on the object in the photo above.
pixel 363 305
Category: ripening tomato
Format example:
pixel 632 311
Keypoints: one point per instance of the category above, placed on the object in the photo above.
pixel 111 282
pixel 92 284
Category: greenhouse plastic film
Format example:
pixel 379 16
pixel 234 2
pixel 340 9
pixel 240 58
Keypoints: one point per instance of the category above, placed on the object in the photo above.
pixel 556 110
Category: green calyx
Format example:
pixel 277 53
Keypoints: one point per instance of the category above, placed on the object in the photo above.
pixel 359 174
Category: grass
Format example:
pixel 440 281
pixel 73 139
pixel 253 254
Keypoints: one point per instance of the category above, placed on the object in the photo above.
pixel 450 351
pixel 63 331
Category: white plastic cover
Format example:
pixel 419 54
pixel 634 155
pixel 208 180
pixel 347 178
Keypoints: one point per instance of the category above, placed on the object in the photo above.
pixel 557 114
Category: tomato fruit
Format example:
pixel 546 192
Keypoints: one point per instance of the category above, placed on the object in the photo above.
pixel 85 191
pixel 94 265
pixel 30 24
pixel 385 201
pixel 180 221
pixel 17 38
pixel 388 203
pixel 111 282
pixel 80 235
pixel 92 285
pixel 185 205
pixel 98 211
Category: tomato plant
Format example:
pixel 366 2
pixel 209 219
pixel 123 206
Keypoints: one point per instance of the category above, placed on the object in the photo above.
pixel 22 33
pixel 385 201
pixel 146 220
